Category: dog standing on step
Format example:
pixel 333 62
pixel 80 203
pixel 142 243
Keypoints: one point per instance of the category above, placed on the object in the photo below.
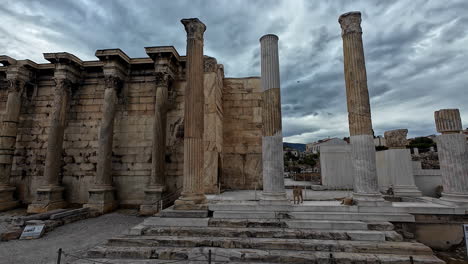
pixel 297 194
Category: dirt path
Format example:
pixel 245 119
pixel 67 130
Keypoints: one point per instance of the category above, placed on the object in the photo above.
pixel 74 238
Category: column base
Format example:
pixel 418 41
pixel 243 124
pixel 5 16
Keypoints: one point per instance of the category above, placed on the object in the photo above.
pixel 151 204
pixel 48 198
pixel 460 200
pixel 212 189
pixel 7 201
pixel 268 198
pixel 191 201
pixel 407 191
pixel 370 199
pixel 102 199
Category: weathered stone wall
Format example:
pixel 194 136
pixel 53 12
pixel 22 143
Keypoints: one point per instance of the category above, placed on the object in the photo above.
pixel 213 132
pixel 242 143
pixel 232 136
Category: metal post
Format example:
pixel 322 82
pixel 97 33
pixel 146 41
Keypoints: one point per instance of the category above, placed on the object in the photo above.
pixel 160 205
pixel 209 256
pixel 255 192
pixel 59 257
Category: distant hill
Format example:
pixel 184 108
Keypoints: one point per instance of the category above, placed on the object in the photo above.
pixel 296 146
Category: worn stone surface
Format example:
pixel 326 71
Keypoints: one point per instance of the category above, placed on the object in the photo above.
pixel 231 138
pixel 242 134
pixel 448 120
pixel 396 138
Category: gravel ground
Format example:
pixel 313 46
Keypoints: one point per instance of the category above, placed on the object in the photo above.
pixel 74 238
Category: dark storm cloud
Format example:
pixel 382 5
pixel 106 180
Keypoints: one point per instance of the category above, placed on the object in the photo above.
pixel 416 51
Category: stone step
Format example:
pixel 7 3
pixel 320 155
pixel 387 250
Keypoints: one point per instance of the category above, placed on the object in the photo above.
pixel 381 247
pixel 284 223
pixel 391 217
pixel 290 233
pixel 221 255
pixel 318 206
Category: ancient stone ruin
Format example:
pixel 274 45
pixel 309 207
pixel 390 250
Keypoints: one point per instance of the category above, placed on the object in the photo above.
pixel 110 132
pixel 123 131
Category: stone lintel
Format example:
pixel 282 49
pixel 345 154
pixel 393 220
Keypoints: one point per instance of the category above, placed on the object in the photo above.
pixel 63 57
pixel 7 60
pixel 112 54
pixel 396 138
pixel 162 51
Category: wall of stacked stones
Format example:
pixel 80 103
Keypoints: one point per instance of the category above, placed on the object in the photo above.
pixel 242 143
pixel 232 134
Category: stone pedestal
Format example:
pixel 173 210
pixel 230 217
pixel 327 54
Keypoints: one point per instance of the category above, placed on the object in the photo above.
pixel 102 199
pixel 399 166
pixel 453 157
pixel 366 190
pixel 7 200
pixel 272 137
pixel 152 202
pixel 193 196
pixel 48 198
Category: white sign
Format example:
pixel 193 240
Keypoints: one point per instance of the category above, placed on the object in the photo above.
pixel 465 228
pixel 32 231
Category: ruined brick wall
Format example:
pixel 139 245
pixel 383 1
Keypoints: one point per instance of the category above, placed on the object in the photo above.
pixel 242 134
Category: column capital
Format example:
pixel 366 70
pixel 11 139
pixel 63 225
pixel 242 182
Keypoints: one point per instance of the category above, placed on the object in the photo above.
pixel 448 121
pixel 209 64
pixel 16 85
pixel 194 28
pixel 395 139
pixel 350 23
pixel 63 85
pixel 113 82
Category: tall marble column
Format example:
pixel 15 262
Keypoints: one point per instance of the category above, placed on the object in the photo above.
pixel 17 76
pixel 453 156
pixel 50 194
pixel 399 164
pixel 272 137
pixel 366 189
pixel 193 196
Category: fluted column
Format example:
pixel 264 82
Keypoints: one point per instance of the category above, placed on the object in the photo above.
pixel 359 115
pixel 399 164
pixel 8 132
pixel 193 195
pixel 453 156
pixel 101 194
pixel 272 137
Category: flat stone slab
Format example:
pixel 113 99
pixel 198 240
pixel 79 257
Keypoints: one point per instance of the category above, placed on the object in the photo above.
pixel 170 212
pixel 171 221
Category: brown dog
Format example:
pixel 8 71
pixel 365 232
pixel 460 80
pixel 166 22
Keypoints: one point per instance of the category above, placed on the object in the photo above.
pixel 297 194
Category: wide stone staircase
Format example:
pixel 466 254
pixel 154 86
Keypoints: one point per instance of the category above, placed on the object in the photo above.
pixel 170 239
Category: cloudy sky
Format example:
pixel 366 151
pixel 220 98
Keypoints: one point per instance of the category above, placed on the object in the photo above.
pixel 416 51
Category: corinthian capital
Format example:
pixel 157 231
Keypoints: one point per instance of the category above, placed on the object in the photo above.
pixel 161 79
pixel 113 82
pixel 350 23
pixel 194 28
pixel 62 85
pixel 16 85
